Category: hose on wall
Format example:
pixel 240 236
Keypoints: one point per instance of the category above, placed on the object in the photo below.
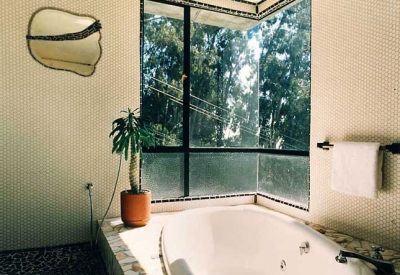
pixel 89 186
pixel 111 200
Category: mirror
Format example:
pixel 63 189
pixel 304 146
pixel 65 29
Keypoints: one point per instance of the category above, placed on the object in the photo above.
pixel 65 41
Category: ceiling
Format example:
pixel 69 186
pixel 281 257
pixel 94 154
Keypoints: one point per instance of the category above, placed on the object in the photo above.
pixel 233 14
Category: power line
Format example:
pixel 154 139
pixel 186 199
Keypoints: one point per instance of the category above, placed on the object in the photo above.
pixel 225 110
pixel 219 118
pixel 209 103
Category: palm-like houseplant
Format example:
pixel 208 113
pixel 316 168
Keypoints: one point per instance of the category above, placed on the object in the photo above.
pixel 130 134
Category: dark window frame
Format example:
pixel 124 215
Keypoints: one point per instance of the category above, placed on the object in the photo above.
pixel 185 148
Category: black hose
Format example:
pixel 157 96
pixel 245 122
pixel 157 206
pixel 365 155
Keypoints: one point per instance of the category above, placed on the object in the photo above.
pixel 90 186
pixel 112 198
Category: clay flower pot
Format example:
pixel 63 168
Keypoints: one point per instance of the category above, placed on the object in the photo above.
pixel 135 208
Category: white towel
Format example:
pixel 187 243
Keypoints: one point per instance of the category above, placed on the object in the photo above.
pixel 357 168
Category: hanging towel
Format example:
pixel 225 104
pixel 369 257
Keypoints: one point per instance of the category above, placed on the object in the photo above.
pixel 357 168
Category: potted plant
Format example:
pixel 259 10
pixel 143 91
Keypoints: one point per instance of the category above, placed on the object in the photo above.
pixel 130 134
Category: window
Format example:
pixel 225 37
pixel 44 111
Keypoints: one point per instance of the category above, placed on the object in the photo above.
pixel 162 94
pixel 231 107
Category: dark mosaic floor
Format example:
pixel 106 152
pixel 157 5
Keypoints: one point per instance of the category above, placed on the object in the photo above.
pixel 66 260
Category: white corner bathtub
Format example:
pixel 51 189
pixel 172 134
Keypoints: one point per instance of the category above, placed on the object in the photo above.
pixel 248 240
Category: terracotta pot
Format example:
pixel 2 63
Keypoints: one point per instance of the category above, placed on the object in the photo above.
pixel 135 208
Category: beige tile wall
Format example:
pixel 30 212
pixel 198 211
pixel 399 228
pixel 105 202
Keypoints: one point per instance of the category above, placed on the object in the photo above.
pixel 55 125
pixel 355 97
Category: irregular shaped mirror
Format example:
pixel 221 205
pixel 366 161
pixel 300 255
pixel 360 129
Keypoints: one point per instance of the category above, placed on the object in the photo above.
pixel 65 41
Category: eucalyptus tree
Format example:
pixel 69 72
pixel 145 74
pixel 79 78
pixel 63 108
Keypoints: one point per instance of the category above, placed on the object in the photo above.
pixel 238 97
pixel 285 79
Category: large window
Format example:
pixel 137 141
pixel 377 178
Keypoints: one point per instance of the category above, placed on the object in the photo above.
pixel 231 107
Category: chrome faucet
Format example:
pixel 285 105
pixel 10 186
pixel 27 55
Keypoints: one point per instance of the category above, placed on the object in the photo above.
pixel 385 267
pixel 304 247
pixel 377 252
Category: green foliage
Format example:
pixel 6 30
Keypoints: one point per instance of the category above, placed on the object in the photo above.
pixel 130 134
pixel 269 106
pixel 285 79
pixel 163 59
pixel 218 57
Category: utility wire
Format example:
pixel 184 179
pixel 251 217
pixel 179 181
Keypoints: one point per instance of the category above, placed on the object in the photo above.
pixel 225 110
pixel 220 118
pixel 217 117
pixel 204 111
pixel 209 103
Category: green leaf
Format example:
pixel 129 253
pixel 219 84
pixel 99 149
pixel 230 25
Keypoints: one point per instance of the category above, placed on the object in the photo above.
pixel 120 120
pixel 126 150
pixel 115 146
pixel 130 133
pixel 117 137
pixel 121 146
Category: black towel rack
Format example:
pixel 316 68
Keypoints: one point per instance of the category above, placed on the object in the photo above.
pixel 394 148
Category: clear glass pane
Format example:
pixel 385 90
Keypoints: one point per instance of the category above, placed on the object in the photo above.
pixel 222 173
pixel 285 177
pixel 162 173
pixel 248 89
pixel 162 71
pixel 224 88
pixel 284 64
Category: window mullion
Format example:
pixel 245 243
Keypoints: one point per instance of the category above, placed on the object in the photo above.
pixel 186 97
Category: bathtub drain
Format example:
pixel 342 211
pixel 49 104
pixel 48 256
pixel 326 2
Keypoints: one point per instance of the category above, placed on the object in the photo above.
pixel 283 265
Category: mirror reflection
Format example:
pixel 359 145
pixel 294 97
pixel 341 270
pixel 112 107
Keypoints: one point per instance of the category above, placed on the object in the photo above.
pixel 65 41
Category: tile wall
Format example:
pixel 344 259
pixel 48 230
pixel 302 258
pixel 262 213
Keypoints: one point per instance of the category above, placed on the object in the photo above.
pixel 55 124
pixel 355 96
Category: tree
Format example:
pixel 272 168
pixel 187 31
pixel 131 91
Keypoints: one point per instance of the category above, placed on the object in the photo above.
pixel 218 57
pixel 285 79
pixel 162 70
pixel 236 100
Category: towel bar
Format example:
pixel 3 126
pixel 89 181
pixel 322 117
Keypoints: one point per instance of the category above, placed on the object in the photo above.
pixel 394 148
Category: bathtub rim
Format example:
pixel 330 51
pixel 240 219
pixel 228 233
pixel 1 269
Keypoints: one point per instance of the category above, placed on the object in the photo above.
pixel 251 208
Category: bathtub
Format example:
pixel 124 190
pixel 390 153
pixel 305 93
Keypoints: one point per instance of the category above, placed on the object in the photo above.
pixel 248 240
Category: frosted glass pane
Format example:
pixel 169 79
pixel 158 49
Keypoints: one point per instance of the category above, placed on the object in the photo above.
pixel 162 173
pixel 222 173
pixel 285 177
